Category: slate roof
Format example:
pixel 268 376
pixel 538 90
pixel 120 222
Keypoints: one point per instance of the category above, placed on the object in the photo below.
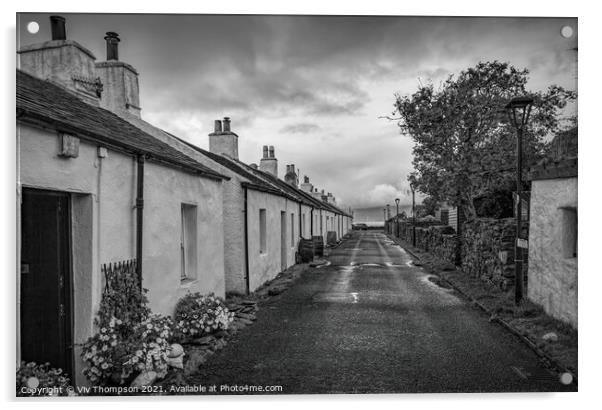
pixel 43 101
pixel 263 181
pixel 238 168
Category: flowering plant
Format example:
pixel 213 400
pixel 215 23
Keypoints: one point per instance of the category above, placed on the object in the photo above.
pixel 149 346
pixel 104 352
pixel 41 380
pixel 112 358
pixel 196 315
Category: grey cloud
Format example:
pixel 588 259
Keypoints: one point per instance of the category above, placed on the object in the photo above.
pixel 273 72
pixel 300 128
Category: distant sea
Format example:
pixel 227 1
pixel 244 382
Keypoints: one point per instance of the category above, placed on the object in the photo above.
pixel 374 216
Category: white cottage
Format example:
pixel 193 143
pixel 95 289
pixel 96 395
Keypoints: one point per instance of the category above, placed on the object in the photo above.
pixel 552 275
pixel 94 190
pixel 264 216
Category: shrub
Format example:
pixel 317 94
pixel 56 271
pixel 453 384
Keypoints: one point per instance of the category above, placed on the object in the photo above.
pixel 197 315
pixel 148 347
pixel 104 352
pixel 123 308
pixel 41 380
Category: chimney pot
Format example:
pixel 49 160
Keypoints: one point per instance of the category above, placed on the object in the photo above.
pixel 226 124
pixel 218 126
pixel 265 151
pixel 306 179
pixel 112 40
pixel 57 28
pixel 271 150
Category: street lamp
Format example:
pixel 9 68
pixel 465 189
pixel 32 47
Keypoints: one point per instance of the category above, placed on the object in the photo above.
pixel 397 217
pixel 413 188
pixel 388 217
pixel 519 110
pixel 385 220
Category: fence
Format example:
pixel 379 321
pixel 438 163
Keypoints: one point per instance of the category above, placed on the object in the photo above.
pixel 120 275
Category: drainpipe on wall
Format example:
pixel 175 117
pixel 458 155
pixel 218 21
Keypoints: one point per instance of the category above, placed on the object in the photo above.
pixel 311 222
pixel 139 215
pixel 300 223
pixel 246 228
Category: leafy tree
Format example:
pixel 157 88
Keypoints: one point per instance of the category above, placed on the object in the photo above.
pixel 465 145
pixel 430 205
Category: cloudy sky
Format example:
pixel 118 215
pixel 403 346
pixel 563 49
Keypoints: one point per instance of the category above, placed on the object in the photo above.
pixel 312 86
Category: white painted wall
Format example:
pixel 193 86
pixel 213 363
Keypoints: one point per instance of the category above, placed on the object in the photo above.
pixel 552 276
pixel 166 190
pixel 265 266
pixel 103 219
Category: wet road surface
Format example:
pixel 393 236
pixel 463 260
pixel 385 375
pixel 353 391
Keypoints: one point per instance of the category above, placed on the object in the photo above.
pixel 371 322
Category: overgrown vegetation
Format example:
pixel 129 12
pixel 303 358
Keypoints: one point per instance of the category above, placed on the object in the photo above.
pixel 465 146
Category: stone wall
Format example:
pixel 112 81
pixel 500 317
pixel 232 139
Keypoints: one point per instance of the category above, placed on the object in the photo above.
pixel 431 236
pixel 487 250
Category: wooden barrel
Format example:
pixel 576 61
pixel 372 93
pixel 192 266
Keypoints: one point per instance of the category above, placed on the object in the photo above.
pixel 318 245
pixel 306 250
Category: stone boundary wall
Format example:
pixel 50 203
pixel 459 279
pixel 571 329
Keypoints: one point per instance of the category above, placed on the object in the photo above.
pixel 485 249
pixel 441 240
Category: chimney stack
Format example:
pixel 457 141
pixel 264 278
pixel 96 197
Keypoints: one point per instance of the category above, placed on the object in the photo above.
pixel 121 93
pixel 226 123
pixel 64 62
pixel 217 127
pixel 57 27
pixel 291 176
pixel 112 40
pixel 306 185
pixel 223 141
pixel 269 163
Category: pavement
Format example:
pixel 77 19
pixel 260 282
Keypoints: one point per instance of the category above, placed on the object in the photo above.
pixel 369 321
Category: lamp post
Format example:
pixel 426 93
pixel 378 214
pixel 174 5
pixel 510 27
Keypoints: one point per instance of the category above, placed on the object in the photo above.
pixel 385 220
pixel 397 217
pixel 413 188
pixel 519 109
pixel 388 217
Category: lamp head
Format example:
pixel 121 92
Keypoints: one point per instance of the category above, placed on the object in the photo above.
pixel 519 109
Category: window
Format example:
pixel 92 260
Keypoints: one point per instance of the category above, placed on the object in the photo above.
pixel 292 230
pixel 188 243
pixel 569 232
pixel 303 225
pixel 262 232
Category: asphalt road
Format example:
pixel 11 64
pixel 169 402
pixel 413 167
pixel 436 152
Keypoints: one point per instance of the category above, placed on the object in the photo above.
pixel 371 322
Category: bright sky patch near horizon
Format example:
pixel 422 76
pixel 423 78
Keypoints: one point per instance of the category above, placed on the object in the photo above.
pixel 313 86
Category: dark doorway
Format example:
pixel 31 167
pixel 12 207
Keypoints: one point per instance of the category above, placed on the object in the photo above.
pixel 46 327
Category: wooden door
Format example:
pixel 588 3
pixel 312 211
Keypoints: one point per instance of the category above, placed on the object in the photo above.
pixel 46 327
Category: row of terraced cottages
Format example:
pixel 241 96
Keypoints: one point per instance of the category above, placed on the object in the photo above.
pixel 99 186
